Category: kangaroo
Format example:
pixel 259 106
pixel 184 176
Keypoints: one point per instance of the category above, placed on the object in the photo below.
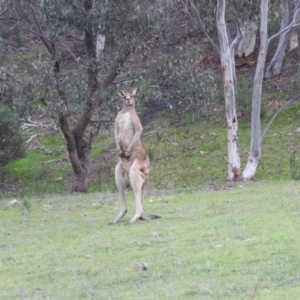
pixel 134 164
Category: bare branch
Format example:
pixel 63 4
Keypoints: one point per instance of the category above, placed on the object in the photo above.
pixel 277 58
pixel 227 160
pixel 278 111
pixel 28 142
pixel 289 27
pixel 25 28
pixel 3 11
pixel 47 42
pixel 236 40
pixel 24 61
pixel 71 52
pixel 233 47
pixel 203 27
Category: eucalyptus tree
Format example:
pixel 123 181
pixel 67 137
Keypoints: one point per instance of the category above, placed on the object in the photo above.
pixel 226 50
pixel 275 65
pixel 85 44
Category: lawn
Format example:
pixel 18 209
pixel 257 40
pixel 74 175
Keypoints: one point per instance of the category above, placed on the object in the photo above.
pixel 239 242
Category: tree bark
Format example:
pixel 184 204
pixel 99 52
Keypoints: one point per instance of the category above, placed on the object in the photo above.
pixel 228 70
pixel 247 43
pixel 293 37
pixel 255 147
pixel 78 146
pixel 274 67
pixel 286 28
pixel 293 40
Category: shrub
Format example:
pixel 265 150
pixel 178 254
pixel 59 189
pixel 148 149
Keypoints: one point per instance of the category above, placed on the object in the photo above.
pixel 11 140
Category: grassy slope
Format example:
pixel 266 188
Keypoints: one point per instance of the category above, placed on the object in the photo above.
pixel 182 157
pixel 232 244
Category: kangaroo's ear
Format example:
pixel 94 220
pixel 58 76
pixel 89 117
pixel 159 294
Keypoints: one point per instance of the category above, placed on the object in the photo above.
pixel 121 93
pixel 133 92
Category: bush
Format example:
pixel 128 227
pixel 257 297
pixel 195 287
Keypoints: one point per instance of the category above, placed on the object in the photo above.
pixel 11 140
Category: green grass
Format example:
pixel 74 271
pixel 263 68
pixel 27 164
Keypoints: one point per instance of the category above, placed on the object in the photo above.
pixel 237 243
pixel 37 178
pixel 32 162
pixel 196 154
pixel 53 140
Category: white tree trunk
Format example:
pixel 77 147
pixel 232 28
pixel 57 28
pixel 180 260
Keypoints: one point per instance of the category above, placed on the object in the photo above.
pixel 228 70
pixel 293 40
pixel 226 53
pixel 275 65
pixel 247 43
pixel 100 42
pixel 255 147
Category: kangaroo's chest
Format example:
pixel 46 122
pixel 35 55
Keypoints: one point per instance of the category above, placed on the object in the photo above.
pixel 125 123
pixel 126 128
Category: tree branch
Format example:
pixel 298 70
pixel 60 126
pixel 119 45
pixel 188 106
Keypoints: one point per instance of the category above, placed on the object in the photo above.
pixel 278 111
pixel 234 44
pixel 71 52
pixel 203 27
pixel 24 28
pixel 47 42
pixel 289 27
pixel 3 11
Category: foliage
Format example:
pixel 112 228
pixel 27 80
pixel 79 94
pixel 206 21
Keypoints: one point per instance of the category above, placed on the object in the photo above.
pixel 183 83
pixel 11 35
pixel 63 25
pixel 64 78
pixel 12 142
pixel 18 91
pixel 207 245
pixel 237 11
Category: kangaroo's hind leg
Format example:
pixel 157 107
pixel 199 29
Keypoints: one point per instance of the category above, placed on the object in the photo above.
pixel 137 179
pixel 121 178
pixel 145 190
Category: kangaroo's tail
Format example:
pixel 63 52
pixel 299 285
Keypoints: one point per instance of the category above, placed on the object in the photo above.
pixel 146 217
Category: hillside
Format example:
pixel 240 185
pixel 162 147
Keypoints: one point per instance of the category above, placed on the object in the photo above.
pixel 185 135
pixel 187 155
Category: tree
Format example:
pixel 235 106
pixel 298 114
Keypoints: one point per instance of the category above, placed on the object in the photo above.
pixel 256 136
pixel 255 146
pixel 274 67
pixel 226 53
pixel 97 37
pixel 247 43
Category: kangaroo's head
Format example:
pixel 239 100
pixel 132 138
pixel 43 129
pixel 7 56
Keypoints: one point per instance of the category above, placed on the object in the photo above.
pixel 128 98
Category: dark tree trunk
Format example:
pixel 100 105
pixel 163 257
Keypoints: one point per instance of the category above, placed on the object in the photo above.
pixel 80 168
